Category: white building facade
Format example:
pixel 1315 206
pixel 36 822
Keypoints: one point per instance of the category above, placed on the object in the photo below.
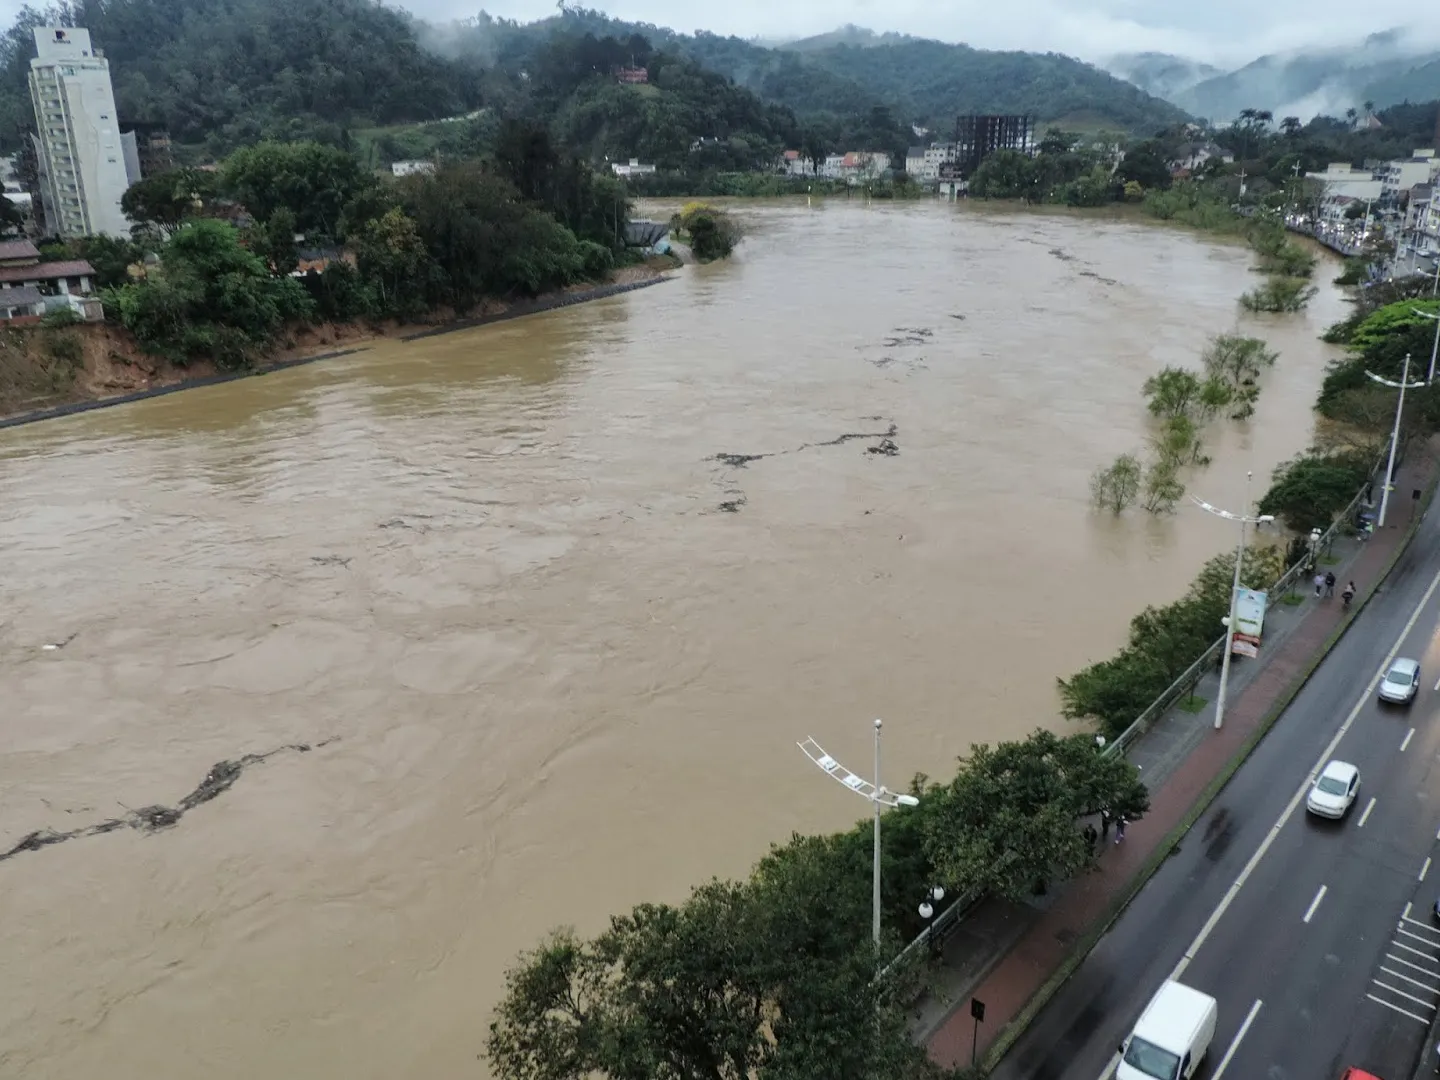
pixel 83 172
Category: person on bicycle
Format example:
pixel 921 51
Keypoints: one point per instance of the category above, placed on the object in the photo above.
pixel 1348 594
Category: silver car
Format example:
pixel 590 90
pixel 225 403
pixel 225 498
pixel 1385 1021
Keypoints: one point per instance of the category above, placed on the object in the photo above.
pixel 1401 682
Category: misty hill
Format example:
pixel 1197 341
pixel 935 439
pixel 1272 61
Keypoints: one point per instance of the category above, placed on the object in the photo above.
pixel 1385 69
pixel 1160 74
pixel 921 80
pixel 849 34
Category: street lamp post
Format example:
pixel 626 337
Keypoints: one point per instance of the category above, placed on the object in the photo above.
pixel 1403 385
pixel 1244 520
pixel 879 797
pixel 927 912
pixel 1435 345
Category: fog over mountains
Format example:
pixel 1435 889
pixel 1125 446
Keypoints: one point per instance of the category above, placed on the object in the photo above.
pixel 1384 69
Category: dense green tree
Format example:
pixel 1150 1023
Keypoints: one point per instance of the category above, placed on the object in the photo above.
pixel 1009 821
pixel 313 183
pixel 211 299
pixel 739 981
pixel 1146 164
pixel 1163 642
pixel 1309 491
pixel 392 256
pixel 168 198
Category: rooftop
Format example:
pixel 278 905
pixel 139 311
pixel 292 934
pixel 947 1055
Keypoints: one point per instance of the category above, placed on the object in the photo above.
pixel 23 296
pixel 47 271
pixel 11 250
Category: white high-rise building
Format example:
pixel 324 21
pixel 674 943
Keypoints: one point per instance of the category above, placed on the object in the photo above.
pixel 82 163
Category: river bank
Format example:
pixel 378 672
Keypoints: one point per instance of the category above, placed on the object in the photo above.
pixel 105 367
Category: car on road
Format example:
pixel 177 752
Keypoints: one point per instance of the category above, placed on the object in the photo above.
pixel 1334 790
pixel 1401 682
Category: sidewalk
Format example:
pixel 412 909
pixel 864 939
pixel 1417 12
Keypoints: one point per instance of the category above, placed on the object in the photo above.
pixel 1003 953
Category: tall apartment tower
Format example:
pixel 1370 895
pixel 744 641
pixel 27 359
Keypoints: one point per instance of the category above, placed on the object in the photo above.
pixel 82 164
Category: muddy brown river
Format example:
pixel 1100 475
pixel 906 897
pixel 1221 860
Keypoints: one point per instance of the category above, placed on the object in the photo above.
pixel 560 678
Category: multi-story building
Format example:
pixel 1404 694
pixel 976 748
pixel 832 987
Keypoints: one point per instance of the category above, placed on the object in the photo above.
pixel 81 159
pixel 1401 175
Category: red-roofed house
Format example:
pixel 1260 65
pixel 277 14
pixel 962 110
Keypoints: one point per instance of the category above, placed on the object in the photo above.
pixel 28 285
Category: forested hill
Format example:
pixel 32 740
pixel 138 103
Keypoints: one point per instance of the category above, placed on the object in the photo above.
pixel 234 69
pixel 926 81
pixel 225 73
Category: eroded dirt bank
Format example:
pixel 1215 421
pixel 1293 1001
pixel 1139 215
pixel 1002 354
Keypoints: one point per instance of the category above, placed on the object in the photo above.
pixel 45 372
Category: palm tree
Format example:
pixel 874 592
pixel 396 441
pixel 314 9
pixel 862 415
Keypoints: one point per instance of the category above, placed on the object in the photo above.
pixel 1350 115
pixel 1291 125
pixel 1369 109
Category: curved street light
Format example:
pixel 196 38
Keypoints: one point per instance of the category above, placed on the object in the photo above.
pixel 1259 519
pixel 1403 385
pixel 878 795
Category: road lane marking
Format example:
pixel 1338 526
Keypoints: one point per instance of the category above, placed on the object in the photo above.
pixel 1402 993
pixel 1417 952
pixel 1235 1043
pixel 1397 975
pixel 1424 869
pixel 1314 904
pixel 1365 816
pixel 1289 811
pixel 1406 913
pixel 1405 745
pixel 1397 960
pixel 1402 1012
pixel 1429 929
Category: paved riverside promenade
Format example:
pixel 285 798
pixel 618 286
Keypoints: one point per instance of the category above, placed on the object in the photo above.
pixel 1003 953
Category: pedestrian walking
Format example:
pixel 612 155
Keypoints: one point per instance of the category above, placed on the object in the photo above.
pixel 1091 836
pixel 1319 584
pixel 1347 594
pixel 1104 823
pixel 1330 583
pixel 1119 830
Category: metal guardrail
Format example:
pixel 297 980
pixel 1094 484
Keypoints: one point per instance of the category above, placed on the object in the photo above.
pixel 943 924
pixel 1196 671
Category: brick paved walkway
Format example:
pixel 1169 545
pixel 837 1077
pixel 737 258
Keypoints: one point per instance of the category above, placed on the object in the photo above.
pixel 1046 944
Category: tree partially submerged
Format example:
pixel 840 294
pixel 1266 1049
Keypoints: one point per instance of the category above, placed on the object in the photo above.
pixel 1115 486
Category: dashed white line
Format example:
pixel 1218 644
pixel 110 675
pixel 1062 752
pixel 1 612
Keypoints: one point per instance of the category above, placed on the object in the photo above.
pixel 1408 736
pixel 1406 913
pixel 1424 869
pixel 1314 904
pixel 1229 897
pixel 1235 1043
pixel 1285 816
pixel 1366 815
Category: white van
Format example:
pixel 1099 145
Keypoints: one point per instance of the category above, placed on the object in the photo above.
pixel 1171 1036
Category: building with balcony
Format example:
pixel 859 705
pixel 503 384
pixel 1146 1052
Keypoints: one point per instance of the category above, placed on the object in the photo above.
pixel 81 160
pixel 1397 177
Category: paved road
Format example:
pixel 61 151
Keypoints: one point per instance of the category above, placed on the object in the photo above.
pixel 1350 978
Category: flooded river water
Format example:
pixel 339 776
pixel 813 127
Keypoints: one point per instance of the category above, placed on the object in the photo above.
pixel 494 568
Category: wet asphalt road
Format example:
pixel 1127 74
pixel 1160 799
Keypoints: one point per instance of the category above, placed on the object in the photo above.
pixel 1359 982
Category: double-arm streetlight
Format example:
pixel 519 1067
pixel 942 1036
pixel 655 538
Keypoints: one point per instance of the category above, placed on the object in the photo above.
pixel 1259 519
pixel 879 797
pixel 1403 385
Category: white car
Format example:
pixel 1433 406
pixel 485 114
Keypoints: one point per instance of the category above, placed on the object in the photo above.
pixel 1401 682
pixel 1334 790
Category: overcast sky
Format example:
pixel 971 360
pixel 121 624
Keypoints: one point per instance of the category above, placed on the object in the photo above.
pixel 1219 31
